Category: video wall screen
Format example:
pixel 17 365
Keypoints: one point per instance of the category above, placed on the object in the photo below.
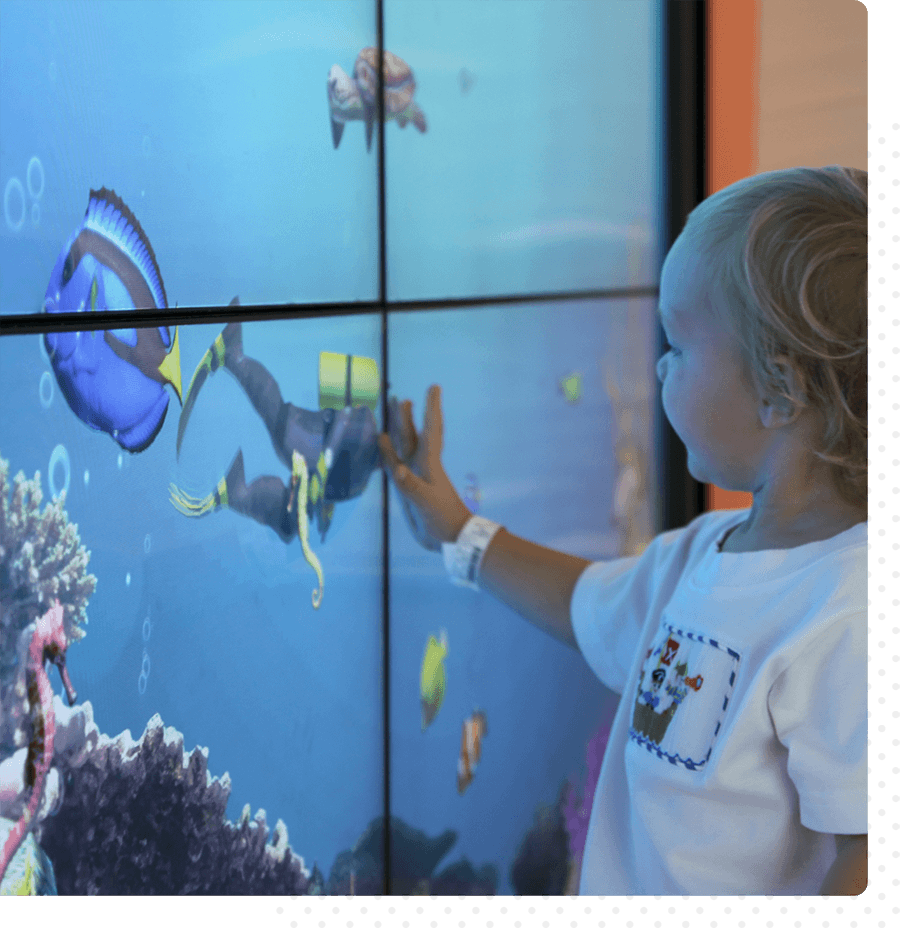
pixel 193 142
pixel 230 150
pixel 201 562
pixel 494 724
pixel 195 589
pixel 520 146
pixel 198 624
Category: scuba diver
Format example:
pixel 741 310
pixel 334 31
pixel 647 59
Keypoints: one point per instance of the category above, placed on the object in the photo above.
pixel 330 453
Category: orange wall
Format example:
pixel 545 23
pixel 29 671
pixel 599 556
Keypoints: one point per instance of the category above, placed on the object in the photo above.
pixel 732 112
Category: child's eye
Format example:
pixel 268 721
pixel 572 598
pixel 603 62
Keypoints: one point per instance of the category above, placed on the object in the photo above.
pixel 670 350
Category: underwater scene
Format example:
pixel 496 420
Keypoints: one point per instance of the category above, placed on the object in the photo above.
pixel 194 595
pixel 521 146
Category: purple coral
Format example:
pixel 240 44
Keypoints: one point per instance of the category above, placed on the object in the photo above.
pixel 577 804
pixel 147 818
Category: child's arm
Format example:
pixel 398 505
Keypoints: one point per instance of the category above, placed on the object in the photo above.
pixel 535 581
pixel 849 874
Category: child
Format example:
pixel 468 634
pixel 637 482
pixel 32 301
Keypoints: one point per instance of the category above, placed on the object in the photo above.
pixel 737 760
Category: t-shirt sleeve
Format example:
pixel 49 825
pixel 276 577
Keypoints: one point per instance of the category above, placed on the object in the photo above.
pixel 818 707
pixel 610 604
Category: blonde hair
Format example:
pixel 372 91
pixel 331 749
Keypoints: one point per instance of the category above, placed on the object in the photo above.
pixel 788 250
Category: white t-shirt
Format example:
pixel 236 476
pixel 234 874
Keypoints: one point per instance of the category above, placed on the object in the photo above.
pixel 739 746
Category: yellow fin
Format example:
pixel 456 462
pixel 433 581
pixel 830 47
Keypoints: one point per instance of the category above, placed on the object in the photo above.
pixel 171 365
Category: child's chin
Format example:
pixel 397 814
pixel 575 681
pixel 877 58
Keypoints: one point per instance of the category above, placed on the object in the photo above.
pixel 699 471
pixel 695 469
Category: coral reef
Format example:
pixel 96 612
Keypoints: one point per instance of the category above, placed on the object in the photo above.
pixel 576 805
pixel 541 867
pixel 41 559
pixel 126 817
pixel 117 816
pixel 147 818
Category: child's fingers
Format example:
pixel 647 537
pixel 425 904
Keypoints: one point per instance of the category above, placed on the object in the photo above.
pixel 434 425
pixel 408 431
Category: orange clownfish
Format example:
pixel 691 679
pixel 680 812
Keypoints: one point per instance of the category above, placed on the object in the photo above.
pixel 474 729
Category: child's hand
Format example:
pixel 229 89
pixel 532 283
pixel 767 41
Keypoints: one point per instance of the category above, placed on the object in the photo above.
pixel 434 509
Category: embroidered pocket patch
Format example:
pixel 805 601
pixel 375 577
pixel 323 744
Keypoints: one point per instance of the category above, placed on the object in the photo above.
pixel 682 696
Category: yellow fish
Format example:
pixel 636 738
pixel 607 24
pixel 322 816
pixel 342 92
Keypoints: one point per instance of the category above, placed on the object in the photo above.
pixel 432 683
pixel 570 386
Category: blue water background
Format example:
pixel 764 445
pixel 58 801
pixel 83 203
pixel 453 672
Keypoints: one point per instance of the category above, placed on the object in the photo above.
pixel 211 121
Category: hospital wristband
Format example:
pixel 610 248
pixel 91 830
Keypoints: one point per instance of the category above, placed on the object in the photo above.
pixel 463 559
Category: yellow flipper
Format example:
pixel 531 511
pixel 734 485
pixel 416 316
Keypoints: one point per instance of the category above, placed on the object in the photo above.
pixel 204 369
pixel 195 506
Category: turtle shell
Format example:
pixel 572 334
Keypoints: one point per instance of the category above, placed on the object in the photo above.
pixel 399 85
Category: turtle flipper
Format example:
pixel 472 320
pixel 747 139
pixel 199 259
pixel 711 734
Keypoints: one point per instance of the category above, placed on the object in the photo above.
pixel 337 130
pixel 417 117
pixel 370 126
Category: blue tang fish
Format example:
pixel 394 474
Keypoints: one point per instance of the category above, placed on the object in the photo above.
pixel 114 381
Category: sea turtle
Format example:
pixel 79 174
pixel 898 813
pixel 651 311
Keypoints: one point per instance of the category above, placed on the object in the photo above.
pixel 355 97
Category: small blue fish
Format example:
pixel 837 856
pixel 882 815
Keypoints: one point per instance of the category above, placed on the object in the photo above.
pixel 114 381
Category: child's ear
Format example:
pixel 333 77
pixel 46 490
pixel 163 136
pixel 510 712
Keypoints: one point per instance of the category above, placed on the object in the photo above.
pixel 777 411
pixel 774 413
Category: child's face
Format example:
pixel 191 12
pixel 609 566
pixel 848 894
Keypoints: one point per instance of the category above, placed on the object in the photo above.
pixel 707 393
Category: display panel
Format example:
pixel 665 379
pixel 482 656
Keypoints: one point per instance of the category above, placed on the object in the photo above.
pixel 536 159
pixel 211 124
pixel 549 424
pixel 538 167
pixel 204 625
pixel 246 664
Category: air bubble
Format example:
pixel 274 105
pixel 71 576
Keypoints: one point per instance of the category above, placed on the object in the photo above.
pixel 35 190
pixel 45 390
pixel 59 456
pixel 145 664
pixel 142 684
pixel 128 579
pixel 146 544
pixel 14 189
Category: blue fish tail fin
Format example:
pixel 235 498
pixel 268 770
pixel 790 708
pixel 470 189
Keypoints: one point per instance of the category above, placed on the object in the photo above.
pixel 170 367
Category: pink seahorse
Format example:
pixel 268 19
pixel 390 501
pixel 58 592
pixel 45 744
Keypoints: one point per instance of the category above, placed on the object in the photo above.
pixel 47 643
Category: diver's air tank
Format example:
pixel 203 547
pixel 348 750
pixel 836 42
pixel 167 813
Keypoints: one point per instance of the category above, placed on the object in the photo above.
pixel 347 380
pixel 349 385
